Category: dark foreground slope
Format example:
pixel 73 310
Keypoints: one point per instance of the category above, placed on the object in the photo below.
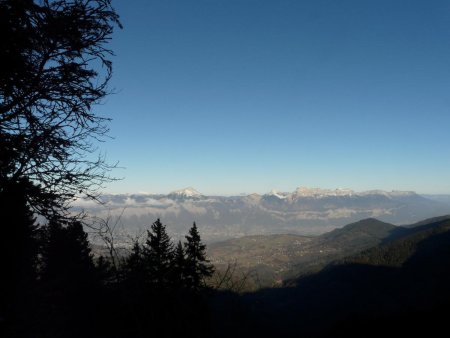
pixel 400 287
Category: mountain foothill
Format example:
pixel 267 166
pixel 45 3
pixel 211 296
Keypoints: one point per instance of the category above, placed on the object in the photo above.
pixel 384 280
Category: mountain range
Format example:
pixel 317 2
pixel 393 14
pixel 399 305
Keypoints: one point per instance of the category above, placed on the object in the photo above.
pixel 305 211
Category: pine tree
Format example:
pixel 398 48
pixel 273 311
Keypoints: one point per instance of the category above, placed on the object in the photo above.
pixel 197 266
pixel 158 254
pixel 66 253
pixel 133 269
pixel 70 282
pixel 179 266
pixel 18 246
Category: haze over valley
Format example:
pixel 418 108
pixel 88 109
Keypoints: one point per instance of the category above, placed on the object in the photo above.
pixel 305 211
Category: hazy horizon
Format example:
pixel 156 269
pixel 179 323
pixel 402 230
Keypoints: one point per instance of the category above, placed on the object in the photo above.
pixel 209 192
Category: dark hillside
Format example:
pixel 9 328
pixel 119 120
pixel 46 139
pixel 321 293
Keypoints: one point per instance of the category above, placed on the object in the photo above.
pixel 362 234
pixel 428 221
pixel 375 292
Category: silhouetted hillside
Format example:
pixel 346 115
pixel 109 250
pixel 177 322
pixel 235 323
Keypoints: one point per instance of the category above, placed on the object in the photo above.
pixel 428 221
pixel 399 287
pixel 397 252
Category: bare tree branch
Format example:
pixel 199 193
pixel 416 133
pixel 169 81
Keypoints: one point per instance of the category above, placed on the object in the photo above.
pixel 55 67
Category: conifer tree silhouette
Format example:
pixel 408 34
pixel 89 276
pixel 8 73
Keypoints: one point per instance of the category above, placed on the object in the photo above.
pixel 66 253
pixel 179 266
pixel 133 269
pixel 69 279
pixel 18 247
pixel 197 265
pixel 158 254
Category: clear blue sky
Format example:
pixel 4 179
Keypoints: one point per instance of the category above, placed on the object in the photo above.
pixel 241 96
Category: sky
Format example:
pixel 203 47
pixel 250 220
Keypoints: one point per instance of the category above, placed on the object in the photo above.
pixel 243 96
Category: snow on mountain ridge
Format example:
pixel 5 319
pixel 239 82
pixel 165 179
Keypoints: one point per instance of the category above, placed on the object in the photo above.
pixel 305 210
pixel 318 192
pixel 393 193
pixel 186 192
pixel 277 194
pixel 305 192
pixel 299 193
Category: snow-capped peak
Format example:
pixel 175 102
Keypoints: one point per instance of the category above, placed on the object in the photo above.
pixel 277 194
pixel 318 192
pixel 393 193
pixel 186 192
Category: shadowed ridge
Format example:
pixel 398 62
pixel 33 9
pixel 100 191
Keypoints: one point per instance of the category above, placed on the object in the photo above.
pixel 400 287
pixel 428 221
pixel 369 226
pixel 362 234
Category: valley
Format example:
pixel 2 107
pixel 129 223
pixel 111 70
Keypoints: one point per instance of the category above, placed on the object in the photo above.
pixel 269 260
